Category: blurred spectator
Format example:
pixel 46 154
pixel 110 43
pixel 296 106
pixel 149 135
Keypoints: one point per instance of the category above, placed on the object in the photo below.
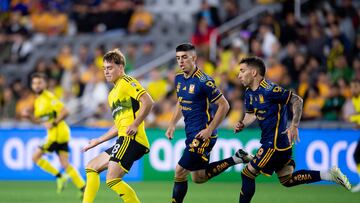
pixel 26 101
pixel 5 47
pixel 268 40
pixel 209 13
pixel 130 56
pixel 231 8
pixel 50 21
pixel 291 30
pixel 355 91
pixel 157 87
pixel 316 43
pixel 341 70
pixel 333 104
pixel 21 48
pixel 141 20
pixel 313 104
pixel 201 36
pixel 66 58
pixel 98 56
pixel 235 113
pixel 7 105
pixel 276 72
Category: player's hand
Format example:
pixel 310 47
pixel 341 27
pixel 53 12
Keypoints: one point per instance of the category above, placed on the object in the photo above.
pixel 92 143
pixel 204 134
pixel 239 126
pixel 132 130
pixel 48 124
pixel 293 134
pixel 170 132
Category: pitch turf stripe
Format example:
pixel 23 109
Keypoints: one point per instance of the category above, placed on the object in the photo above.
pixel 267 158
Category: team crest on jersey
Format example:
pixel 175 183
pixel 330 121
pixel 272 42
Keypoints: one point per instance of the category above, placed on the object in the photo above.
pixel 261 98
pixel 192 89
pixel 178 87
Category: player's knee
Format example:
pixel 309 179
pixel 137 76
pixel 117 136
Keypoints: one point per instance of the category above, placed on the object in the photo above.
pixel 199 180
pixel 36 157
pixel 286 181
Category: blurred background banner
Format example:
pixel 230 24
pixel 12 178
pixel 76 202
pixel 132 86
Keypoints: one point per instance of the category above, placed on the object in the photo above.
pixel 319 149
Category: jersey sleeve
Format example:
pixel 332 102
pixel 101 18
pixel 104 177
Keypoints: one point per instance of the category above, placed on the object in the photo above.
pixel 134 89
pixel 279 95
pixel 56 104
pixel 248 104
pixel 211 91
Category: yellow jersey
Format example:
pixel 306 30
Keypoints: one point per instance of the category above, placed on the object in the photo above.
pixel 46 108
pixel 356 117
pixel 124 104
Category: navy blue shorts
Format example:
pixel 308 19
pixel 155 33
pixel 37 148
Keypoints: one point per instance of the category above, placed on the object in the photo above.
pixel 196 154
pixel 269 160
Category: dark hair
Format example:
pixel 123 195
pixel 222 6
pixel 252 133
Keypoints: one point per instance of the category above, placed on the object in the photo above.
pixel 255 62
pixel 39 75
pixel 115 56
pixel 185 47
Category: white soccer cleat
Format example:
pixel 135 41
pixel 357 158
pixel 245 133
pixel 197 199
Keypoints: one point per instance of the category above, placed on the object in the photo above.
pixel 356 188
pixel 242 156
pixel 338 177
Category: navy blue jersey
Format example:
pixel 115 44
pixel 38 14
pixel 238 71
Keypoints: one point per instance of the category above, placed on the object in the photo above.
pixel 269 103
pixel 195 95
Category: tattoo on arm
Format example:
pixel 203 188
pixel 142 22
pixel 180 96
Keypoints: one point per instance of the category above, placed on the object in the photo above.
pixel 297 103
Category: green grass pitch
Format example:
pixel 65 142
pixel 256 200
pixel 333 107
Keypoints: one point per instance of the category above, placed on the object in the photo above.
pixel 160 192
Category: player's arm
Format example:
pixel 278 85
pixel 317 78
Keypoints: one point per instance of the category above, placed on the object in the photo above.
pixel 223 108
pixel 297 103
pixel 62 115
pixel 145 108
pixel 174 119
pixel 249 118
pixel 112 132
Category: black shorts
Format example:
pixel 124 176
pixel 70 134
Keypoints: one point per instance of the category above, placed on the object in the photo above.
pixel 269 160
pixel 55 147
pixel 196 154
pixel 126 151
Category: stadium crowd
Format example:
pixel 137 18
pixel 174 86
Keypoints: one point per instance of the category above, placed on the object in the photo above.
pixel 317 56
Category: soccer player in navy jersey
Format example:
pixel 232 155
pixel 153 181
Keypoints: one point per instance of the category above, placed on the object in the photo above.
pixel 267 102
pixel 196 91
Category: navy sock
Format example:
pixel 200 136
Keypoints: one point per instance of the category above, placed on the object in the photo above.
pixel 179 191
pixel 215 168
pixel 300 177
pixel 248 186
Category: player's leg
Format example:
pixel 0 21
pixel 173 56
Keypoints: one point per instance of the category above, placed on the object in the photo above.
pixel 93 168
pixel 115 182
pixel 248 175
pixel 71 171
pixel 203 170
pixel 43 163
pixel 180 184
pixel 289 178
pixel 215 168
pixel 357 161
pixel 125 152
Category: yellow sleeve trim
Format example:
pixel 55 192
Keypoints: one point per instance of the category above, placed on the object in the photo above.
pixel 216 98
pixel 288 99
pixel 139 95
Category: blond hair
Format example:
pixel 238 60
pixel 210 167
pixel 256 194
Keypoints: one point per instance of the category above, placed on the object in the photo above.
pixel 115 56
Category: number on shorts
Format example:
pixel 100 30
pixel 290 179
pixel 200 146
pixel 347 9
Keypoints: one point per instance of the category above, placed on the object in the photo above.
pixel 115 149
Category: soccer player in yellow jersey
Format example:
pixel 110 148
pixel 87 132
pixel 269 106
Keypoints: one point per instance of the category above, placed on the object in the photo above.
pixel 130 104
pixel 51 112
pixel 355 90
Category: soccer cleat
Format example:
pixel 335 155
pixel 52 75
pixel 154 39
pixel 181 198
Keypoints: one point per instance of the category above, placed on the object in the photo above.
pixel 242 156
pixel 356 188
pixel 338 177
pixel 61 183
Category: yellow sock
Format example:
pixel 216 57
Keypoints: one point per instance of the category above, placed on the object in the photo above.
pixel 75 177
pixel 358 169
pixel 46 166
pixel 123 190
pixel 92 185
